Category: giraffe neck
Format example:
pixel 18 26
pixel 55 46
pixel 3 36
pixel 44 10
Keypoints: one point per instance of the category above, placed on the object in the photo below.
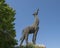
pixel 36 21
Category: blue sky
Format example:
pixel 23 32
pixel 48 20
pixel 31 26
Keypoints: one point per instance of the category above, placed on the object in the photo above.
pixel 49 16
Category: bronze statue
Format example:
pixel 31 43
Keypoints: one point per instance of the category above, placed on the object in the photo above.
pixel 33 29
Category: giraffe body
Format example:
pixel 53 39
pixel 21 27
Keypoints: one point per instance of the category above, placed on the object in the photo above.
pixel 33 29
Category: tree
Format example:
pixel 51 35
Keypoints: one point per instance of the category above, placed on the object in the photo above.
pixel 7 29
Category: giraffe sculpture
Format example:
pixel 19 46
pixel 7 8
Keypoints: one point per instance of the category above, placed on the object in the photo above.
pixel 33 29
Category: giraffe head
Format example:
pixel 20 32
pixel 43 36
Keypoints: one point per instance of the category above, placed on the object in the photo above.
pixel 36 13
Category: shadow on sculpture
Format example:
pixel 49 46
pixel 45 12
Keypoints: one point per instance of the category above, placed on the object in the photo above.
pixel 33 29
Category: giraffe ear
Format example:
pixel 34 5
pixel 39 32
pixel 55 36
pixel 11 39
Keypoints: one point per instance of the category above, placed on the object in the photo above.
pixel 33 14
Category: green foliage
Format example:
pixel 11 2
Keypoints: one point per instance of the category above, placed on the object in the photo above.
pixel 7 31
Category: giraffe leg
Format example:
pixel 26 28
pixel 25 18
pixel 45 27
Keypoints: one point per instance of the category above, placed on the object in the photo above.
pixel 26 38
pixel 22 39
pixel 34 38
pixel 35 35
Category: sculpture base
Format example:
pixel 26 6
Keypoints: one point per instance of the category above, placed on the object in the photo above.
pixel 40 46
pixel 31 45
